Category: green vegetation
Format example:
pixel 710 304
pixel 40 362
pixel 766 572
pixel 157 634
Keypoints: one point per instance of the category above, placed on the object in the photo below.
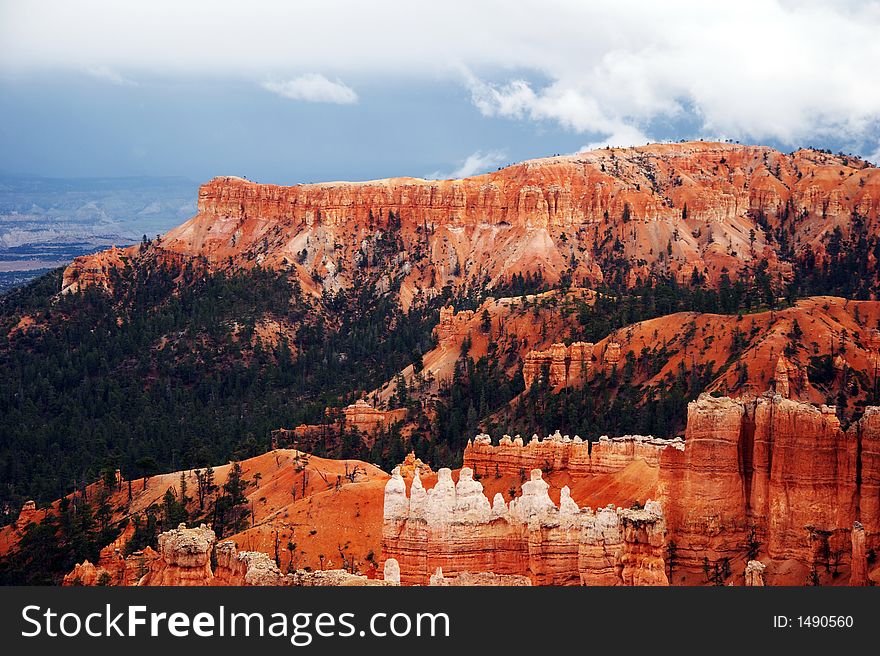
pixel 169 375
pixel 50 548
pixel 610 404
pixel 182 368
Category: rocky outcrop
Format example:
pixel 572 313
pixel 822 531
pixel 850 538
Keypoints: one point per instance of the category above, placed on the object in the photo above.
pixel 411 464
pixel 566 365
pixel 453 326
pixel 87 574
pixel 93 270
pixel 754 574
pixel 27 515
pixel 360 416
pixel 113 568
pixel 367 419
pixel 184 558
pixel 391 571
pixel 482 579
pixel 569 366
pixel 858 573
pixel 624 547
pixel 255 568
pixel 579 458
pixel 611 355
pixel 553 215
pixel 788 377
pixel 454 527
pixel 125 570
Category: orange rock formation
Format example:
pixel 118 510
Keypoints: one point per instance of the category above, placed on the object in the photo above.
pixel 454 527
pixel 770 474
pixel 367 419
pixel 749 354
pixel 555 215
pixel 185 560
pixel 565 365
pixel 513 457
pixel 782 469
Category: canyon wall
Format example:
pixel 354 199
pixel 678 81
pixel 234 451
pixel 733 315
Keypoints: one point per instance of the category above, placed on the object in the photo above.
pixel 780 473
pixel 769 480
pixel 579 458
pixel 553 215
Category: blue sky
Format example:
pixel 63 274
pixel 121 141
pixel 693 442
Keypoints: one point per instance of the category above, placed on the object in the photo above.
pixel 306 91
pixel 78 126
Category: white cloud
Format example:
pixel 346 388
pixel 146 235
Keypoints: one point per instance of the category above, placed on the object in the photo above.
pixel 109 75
pixel 516 99
pixel 313 87
pixel 796 71
pixel 473 164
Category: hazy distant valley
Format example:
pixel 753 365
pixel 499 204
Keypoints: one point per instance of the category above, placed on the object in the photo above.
pixel 46 222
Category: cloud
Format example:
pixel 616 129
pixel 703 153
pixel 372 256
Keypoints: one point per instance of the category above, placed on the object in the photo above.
pixel 517 100
pixel 792 71
pixel 109 75
pixel 313 87
pixel 786 71
pixel 475 163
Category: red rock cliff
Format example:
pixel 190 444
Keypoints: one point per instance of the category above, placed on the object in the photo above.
pixel 768 480
pixel 775 471
pixel 551 215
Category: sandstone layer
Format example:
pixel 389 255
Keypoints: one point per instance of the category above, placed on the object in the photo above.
pixel 766 477
pixel 453 527
pixel 670 207
pixel 749 354
pixel 185 560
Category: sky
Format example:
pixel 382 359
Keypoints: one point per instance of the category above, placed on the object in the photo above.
pixel 311 90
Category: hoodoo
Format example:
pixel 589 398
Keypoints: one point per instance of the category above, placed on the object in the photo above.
pixel 766 476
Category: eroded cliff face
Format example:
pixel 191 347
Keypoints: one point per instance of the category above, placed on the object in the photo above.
pixel 703 489
pixel 759 346
pixel 453 527
pixel 554 215
pixel 184 558
pixel 556 452
pixel 769 488
pixel 867 432
pixel 773 471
